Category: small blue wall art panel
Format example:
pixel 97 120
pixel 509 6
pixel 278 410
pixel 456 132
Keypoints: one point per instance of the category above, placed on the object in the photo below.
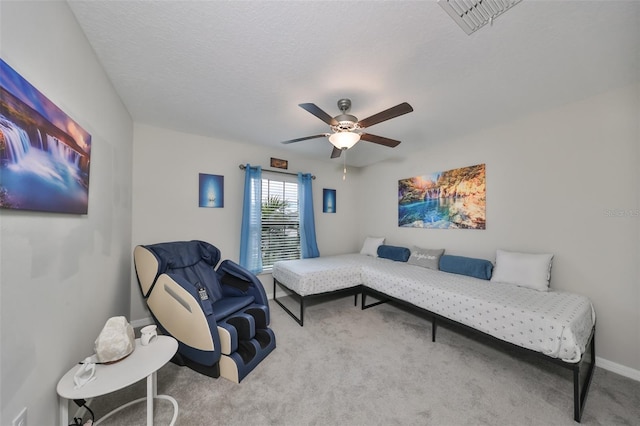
pixel 211 192
pixel 328 200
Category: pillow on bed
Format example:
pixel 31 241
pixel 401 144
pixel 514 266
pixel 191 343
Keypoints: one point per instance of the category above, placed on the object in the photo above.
pixel 399 254
pixel 370 246
pixel 427 258
pixel 478 268
pixel 523 269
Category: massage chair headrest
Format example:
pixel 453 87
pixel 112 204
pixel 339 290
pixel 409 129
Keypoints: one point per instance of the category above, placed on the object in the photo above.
pixel 182 254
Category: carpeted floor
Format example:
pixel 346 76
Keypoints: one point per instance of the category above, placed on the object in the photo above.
pixel 379 367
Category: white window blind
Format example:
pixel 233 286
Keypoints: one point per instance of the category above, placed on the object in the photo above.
pixel 280 222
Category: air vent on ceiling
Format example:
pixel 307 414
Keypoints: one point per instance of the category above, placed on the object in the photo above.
pixel 472 15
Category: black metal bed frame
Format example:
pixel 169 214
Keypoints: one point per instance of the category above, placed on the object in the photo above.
pixel 581 377
pixel 580 386
pixel 302 299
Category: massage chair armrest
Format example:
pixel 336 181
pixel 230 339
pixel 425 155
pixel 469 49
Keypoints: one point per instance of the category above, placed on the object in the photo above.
pixel 192 288
pixel 236 280
pixel 175 304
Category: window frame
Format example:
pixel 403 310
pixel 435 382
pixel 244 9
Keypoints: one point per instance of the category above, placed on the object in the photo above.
pixel 289 191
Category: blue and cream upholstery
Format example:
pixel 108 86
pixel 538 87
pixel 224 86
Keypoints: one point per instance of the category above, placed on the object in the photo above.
pixel 218 313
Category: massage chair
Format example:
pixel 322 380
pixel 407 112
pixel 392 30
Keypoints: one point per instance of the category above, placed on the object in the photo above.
pixel 218 314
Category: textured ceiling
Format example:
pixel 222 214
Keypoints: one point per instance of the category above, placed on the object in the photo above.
pixel 237 70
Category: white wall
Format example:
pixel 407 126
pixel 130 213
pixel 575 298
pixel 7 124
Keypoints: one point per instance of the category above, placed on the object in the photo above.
pixel 553 181
pixel 165 203
pixel 62 275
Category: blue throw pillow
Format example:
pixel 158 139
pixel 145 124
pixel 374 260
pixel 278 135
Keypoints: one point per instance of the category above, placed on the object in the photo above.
pixel 478 268
pixel 399 254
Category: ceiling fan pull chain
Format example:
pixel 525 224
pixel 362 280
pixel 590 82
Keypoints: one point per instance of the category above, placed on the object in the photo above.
pixel 344 162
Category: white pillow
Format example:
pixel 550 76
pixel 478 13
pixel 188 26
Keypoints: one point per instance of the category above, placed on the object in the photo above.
pixel 523 269
pixel 370 246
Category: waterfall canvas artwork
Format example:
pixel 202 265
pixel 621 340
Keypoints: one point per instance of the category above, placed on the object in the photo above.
pixel 454 199
pixel 211 190
pixel 44 154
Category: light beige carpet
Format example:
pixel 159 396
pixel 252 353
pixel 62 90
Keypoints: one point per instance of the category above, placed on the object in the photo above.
pixel 379 367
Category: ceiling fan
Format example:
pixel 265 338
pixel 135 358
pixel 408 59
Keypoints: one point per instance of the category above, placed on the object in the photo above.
pixel 346 129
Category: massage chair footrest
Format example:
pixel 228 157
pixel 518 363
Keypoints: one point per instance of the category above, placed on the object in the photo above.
pixel 241 326
pixel 250 353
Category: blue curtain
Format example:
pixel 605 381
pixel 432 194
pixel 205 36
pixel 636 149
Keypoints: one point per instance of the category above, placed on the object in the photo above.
pixel 250 254
pixel 308 242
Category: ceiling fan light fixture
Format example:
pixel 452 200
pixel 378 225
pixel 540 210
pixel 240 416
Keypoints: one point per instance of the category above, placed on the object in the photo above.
pixel 346 129
pixel 344 140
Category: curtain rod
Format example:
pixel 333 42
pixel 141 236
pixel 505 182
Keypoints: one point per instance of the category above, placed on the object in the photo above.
pixel 242 167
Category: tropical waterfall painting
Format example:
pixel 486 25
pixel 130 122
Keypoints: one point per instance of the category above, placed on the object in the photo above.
pixel 454 199
pixel 44 154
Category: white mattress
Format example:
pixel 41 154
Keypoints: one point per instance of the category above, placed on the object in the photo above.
pixel 321 274
pixel 557 324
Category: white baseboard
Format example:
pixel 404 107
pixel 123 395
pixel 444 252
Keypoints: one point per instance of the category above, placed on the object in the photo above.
pixel 618 368
pixel 142 322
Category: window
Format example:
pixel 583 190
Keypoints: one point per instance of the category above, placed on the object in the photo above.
pixel 280 222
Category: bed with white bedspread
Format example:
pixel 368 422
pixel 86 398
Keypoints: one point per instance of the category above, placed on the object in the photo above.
pixel 321 274
pixel 558 325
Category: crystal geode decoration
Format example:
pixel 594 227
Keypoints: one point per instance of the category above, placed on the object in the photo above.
pixel 116 340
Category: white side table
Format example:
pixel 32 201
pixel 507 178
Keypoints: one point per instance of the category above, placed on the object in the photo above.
pixel 143 362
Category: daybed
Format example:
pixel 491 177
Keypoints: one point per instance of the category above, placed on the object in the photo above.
pixel 557 326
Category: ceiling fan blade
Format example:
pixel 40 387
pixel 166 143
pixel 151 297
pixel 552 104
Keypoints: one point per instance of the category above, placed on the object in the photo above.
pixel 305 138
pixel 379 140
pixel 336 152
pixel 385 115
pixel 315 110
